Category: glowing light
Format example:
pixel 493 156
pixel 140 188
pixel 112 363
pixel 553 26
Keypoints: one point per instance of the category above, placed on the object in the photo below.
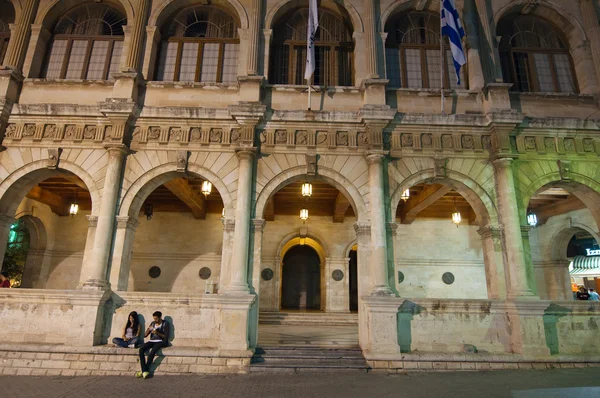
pixel 532 218
pixel 307 189
pixel 405 195
pixel 304 214
pixel 74 209
pixel 206 188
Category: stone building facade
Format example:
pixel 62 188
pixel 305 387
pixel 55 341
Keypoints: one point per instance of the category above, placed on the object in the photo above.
pixel 120 100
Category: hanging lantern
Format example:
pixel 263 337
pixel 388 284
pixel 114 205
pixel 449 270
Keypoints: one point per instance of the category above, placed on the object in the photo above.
pixel 206 188
pixel 304 214
pixel 307 189
pixel 405 195
pixel 74 209
pixel 148 211
pixel 456 217
pixel 531 218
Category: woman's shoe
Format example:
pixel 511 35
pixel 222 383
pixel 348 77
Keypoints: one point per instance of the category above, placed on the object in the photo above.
pixel 145 375
pixel 138 374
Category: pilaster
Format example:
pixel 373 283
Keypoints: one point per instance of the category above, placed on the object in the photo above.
pixel 495 276
pixel 20 32
pixel 122 250
pixel 592 29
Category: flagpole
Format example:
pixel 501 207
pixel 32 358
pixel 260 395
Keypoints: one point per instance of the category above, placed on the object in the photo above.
pixel 309 93
pixel 442 98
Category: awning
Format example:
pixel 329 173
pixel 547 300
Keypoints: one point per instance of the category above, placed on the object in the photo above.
pixel 585 266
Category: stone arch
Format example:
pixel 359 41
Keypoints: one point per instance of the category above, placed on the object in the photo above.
pixel 135 195
pixel 56 8
pixel 328 175
pixel 14 187
pixel 285 5
pixel 477 197
pixel 349 246
pixel 160 14
pixel 400 6
pixel 322 249
pixel 34 273
pixel 583 187
pixel 561 239
pixel 550 11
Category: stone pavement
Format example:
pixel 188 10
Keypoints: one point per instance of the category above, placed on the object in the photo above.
pixel 517 384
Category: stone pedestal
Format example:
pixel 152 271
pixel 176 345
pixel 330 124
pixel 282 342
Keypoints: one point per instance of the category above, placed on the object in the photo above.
pixel 250 88
pixel 234 321
pixel 527 336
pixel 382 321
pixel 87 319
pixel 496 97
pixel 374 91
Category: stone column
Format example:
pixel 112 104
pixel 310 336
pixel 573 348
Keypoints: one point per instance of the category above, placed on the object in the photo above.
pixel 89 247
pixel 363 253
pixel 19 37
pixel 259 226
pixel 491 239
pixel 378 227
pixel 132 62
pixel 96 278
pixel 123 248
pixel 255 19
pixel 241 235
pixel 226 251
pixel 370 39
pixel 592 29
pixel 508 214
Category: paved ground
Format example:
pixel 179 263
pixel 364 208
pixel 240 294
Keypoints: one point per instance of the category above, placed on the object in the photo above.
pixel 517 384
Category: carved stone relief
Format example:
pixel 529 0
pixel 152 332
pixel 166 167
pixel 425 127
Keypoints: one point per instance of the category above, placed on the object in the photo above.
pixel 549 144
pixel 342 138
pixel 195 134
pixel 321 137
pixel 216 135
pixel 89 132
pixel 29 130
pixel 50 131
pixel 362 139
pixel 406 140
pixel 236 135
pixel 486 141
pixel 137 134
pixel 11 131
pixel 154 133
pixel 426 140
pixel 530 143
pixel 301 138
pixel 280 137
pixel 176 134
pixel 447 141
pixel 467 142
pixel 569 145
pixel 70 131
pixel 588 145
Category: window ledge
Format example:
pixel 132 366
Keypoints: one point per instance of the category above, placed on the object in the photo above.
pixel 68 82
pixel 550 95
pixel 207 86
pixel 301 88
pixel 432 92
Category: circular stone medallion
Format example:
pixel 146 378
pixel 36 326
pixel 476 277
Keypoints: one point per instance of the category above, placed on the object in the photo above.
pixel 267 274
pixel 448 278
pixel 337 275
pixel 400 277
pixel 204 273
pixel 154 272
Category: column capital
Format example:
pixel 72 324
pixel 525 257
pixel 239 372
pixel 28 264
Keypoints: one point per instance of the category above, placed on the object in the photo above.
pixel 117 150
pixel 362 228
pixel 246 153
pixel 375 157
pixel 124 222
pixel 92 221
pixel 490 232
pixel 503 161
pixel 259 224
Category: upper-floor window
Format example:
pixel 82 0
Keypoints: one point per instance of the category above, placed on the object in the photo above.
pixel 200 44
pixel 413 51
pixel 7 16
pixel 87 43
pixel 534 56
pixel 333 50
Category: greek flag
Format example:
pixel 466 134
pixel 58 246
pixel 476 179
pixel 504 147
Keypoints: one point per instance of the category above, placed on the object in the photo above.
pixel 313 24
pixel 452 28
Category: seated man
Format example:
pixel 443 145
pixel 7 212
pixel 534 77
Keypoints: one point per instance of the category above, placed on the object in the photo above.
pixel 159 335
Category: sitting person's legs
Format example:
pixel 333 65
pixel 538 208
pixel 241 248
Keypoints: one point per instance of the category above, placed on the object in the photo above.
pixel 120 342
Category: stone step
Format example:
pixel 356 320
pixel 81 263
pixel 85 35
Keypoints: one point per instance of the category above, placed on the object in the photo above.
pixel 307 359
pixel 286 318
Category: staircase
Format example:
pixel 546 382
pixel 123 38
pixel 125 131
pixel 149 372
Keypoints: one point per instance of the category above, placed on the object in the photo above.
pixel 307 359
pixel 308 318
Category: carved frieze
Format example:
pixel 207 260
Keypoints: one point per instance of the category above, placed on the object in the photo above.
pixel 426 141
pixel 588 145
pixel 467 141
pixel 216 135
pixel 569 145
pixel 176 134
pixel 70 132
pixel 29 130
pixel 11 131
pixel 406 140
pixel 280 137
pixel 89 132
pixel 154 133
pixel 301 137
pixel 530 143
pixel 50 131
pixel 195 134
pixel 342 138
pixel 447 141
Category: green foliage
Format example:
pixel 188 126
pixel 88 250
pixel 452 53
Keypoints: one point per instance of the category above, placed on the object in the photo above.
pixel 16 253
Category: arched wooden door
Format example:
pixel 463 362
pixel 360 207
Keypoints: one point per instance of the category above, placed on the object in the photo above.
pixel 301 279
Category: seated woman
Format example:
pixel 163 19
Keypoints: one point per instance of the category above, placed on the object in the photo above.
pixel 131 332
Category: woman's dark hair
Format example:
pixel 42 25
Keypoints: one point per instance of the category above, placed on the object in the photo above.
pixel 136 322
pixel 158 314
pixel 5 274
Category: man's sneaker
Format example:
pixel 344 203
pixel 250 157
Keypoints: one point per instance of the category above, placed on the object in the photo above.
pixel 131 346
pixel 138 374
pixel 145 375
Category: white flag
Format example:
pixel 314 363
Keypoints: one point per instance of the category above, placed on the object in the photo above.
pixel 313 24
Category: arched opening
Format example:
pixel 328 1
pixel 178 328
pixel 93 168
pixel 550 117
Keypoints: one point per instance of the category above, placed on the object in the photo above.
pixel 334 49
pixel 564 238
pixel 178 238
pixel 200 44
pixel 7 16
pixel 412 52
pixel 535 55
pixel 87 43
pixel 447 245
pixel 301 279
pixel 46 229
pixel 353 276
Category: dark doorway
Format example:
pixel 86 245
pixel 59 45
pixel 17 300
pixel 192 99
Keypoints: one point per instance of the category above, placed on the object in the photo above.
pixel 301 279
pixel 353 281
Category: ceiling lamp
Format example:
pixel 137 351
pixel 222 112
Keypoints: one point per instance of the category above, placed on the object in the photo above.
pixel 206 188
pixel 307 189
pixel 304 214
pixel 456 218
pixel 531 218
pixel 405 195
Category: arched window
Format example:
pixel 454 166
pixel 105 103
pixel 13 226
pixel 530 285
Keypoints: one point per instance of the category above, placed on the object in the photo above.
pixel 87 43
pixel 333 50
pixel 413 53
pixel 534 56
pixel 16 252
pixel 7 16
pixel 201 45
